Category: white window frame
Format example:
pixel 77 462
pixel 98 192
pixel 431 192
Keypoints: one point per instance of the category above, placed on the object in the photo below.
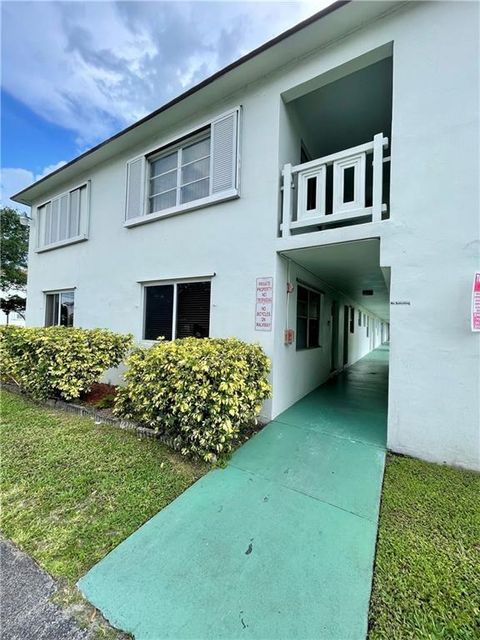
pixel 321 295
pixel 176 281
pixel 358 164
pixel 84 219
pixel 181 140
pixel 59 293
pixel 178 149
pixel 320 173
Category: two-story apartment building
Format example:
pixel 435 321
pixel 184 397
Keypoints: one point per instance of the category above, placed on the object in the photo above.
pixel 319 196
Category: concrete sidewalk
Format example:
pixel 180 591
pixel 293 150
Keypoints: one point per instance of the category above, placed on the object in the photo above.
pixel 26 611
pixel 279 545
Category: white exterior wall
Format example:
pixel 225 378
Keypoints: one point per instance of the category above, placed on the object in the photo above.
pixel 235 240
pixel 434 409
pixel 432 239
pixel 297 372
pixel 430 242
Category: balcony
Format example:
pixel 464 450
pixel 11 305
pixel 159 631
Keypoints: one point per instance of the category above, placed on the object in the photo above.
pixel 341 189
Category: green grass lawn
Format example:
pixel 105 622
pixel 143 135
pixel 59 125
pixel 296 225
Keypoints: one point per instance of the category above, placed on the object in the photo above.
pixel 73 490
pixel 427 572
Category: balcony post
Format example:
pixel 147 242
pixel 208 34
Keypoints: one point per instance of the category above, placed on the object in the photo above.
pixel 287 200
pixel 377 186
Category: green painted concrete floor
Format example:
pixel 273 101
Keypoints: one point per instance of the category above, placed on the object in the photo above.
pixel 279 545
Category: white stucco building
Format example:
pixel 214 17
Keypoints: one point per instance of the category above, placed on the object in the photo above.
pixel 339 164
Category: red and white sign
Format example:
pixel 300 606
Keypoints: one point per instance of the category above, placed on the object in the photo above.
pixel 476 302
pixel 264 304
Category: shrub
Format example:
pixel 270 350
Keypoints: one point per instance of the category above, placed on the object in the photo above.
pixel 59 362
pixel 200 393
pixel 106 402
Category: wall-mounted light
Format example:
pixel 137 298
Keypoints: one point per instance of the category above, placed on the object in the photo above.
pixel 25 220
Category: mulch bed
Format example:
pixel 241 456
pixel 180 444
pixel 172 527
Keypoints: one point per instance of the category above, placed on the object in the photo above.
pixel 98 392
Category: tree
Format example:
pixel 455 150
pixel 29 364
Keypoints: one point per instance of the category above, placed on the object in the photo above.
pixel 12 303
pixel 14 239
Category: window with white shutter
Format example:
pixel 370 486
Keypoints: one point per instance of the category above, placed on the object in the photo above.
pixel 224 156
pixel 196 171
pixel 135 187
pixel 63 219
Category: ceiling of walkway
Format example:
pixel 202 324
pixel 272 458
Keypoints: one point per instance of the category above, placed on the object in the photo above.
pixel 346 112
pixel 350 268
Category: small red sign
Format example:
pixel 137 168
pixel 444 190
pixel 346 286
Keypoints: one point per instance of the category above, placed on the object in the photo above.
pixel 476 302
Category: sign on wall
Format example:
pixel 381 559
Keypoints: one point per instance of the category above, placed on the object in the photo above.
pixel 264 304
pixel 476 302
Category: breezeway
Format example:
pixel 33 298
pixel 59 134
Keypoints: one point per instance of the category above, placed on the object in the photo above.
pixel 280 544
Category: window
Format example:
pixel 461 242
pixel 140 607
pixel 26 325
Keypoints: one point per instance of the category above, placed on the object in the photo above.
pixel 177 310
pixel 180 176
pixel 352 320
pixel 308 318
pixel 198 170
pixel 359 318
pixel 63 218
pixel 59 308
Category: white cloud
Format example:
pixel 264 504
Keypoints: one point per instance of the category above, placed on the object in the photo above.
pixel 50 168
pixel 14 180
pixel 95 67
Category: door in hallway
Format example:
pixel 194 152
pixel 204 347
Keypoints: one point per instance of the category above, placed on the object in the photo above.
pixel 334 342
pixel 345 333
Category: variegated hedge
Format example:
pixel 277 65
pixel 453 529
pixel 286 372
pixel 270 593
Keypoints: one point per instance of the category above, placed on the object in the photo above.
pixel 59 362
pixel 202 393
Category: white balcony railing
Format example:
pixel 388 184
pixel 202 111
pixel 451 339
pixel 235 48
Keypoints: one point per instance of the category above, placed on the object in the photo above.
pixel 315 196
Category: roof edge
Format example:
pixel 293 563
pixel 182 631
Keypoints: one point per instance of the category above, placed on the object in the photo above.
pixel 17 197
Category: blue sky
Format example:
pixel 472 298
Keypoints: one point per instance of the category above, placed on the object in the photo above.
pixel 74 73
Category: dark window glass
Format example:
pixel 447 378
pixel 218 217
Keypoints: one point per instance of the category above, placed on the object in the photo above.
pixel 311 193
pixel 193 310
pixel 158 312
pixel 308 318
pixel 302 302
pixel 352 320
pixel 313 330
pixel 66 309
pixel 349 184
pixel 359 318
pixel 51 311
pixel 301 333
pixel 59 309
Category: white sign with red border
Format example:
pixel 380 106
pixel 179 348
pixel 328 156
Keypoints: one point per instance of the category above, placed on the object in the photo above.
pixel 476 302
pixel 264 304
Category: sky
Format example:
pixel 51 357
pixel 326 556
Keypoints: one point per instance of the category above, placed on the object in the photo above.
pixel 74 73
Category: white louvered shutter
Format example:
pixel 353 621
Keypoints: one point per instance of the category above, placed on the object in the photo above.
pixel 135 188
pixel 47 225
pixel 63 220
pixel 224 153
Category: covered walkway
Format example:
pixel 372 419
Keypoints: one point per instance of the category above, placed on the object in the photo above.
pixel 280 544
